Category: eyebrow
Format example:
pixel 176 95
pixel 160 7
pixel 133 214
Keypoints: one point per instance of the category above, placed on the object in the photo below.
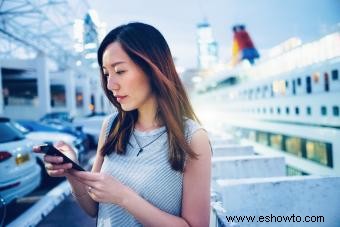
pixel 115 64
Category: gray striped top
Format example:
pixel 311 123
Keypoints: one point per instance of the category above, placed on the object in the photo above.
pixel 149 174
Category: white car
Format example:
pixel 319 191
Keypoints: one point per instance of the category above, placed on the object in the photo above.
pixel 20 173
pixel 39 138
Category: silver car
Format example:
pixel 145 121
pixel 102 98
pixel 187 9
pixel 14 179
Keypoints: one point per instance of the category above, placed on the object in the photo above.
pixel 19 172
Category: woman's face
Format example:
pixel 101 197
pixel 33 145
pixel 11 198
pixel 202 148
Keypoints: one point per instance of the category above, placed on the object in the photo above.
pixel 126 80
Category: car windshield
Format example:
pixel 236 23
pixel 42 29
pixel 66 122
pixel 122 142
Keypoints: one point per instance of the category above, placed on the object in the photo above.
pixel 21 128
pixel 57 115
pixel 9 133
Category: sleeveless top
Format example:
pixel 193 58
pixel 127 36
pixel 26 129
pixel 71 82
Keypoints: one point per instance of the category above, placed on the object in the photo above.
pixel 149 174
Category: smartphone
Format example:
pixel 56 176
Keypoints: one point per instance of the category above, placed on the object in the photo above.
pixel 51 150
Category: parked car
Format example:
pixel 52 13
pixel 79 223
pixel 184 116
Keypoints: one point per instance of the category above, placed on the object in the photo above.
pixel 20 173
pixel 91 127
pixel 64 116
pixel 56 125
pixel 40 137
pixel 92 114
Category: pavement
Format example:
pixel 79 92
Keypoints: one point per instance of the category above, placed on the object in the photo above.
pixel 68 213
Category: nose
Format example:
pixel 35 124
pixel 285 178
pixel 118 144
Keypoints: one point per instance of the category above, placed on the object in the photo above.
pixel 112 84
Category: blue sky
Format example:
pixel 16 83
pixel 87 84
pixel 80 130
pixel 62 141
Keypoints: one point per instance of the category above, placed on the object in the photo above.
pixel 269 22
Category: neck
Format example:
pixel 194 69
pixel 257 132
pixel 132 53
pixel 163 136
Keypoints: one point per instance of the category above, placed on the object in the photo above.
pixel 147 119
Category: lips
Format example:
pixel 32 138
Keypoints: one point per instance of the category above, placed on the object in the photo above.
pixel 120 98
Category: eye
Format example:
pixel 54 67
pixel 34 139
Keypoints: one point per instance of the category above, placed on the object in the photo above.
pixel 120 72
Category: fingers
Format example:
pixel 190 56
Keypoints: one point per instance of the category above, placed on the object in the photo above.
pixel 55 167
pixel 61 145
pixel 53 159
pixel 87 176
pixel 36 149
pixel 89 183
pixel 56 173
pixel 65 166
pixel 54 164
pixel 57 170
pixel 83 177
pixel 92 192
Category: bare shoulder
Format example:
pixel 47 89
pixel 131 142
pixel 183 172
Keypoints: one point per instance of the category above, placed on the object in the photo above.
pixel 200 142
pixel 200 145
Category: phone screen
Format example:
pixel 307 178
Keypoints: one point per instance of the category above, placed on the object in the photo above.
pixel 51 150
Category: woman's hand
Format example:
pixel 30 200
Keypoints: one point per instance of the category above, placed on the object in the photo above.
pixel 102 187
pixel 54 164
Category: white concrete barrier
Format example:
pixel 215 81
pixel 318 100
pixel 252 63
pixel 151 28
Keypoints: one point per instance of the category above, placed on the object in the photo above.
pixel 221 141
pixel 232 150
pixel 304 200
pixel 218 134
pixel 247 167
pixel 43 207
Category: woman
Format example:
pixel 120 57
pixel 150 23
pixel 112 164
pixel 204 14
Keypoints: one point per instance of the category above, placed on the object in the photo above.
pixel 152 164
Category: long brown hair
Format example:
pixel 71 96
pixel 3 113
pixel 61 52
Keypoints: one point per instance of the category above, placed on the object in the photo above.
pixel 147 48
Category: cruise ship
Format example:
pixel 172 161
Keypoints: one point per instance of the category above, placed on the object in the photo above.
pixel 286 104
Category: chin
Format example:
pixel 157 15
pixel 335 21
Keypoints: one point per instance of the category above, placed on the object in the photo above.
pixel 127 108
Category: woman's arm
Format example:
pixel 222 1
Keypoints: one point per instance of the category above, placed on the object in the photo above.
pixel 196 183
pixel 79 189
pixel 196 192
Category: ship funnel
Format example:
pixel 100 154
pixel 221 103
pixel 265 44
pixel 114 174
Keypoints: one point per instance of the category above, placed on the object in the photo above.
pixel 243 47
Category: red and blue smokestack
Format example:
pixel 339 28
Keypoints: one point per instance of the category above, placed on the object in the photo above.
pixel 243 47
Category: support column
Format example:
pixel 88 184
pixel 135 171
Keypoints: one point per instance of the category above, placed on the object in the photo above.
pixel 86 96
pixel 97 97
pixel 43 80
pixel 101 102
pixel 70 92
pixel 1 94
pixel 108 106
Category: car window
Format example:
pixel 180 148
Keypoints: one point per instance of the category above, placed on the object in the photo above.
pixel 9 133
